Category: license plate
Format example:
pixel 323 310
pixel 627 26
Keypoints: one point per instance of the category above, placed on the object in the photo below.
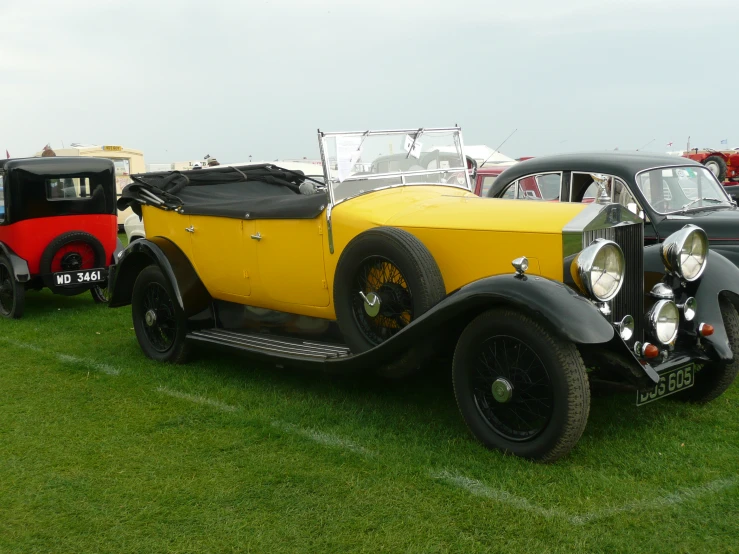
pixel 75 278
pixel 669 383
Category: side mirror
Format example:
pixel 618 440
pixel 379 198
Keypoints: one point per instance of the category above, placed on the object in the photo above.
pixel 472 169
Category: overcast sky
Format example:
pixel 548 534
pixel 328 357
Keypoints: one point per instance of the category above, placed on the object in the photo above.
pixel 181 79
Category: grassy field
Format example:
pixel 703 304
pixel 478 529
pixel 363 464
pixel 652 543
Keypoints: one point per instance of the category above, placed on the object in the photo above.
pixel 105 451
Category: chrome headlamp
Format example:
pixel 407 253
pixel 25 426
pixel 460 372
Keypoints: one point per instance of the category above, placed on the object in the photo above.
pixel 685 252
pixel 598 270
pixel 664 318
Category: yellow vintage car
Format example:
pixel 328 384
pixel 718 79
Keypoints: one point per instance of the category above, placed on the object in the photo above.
pixel 390 260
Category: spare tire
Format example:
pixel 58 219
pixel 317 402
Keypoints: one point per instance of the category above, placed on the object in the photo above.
pixel 385 278
pixel 717 166
pixel 75 250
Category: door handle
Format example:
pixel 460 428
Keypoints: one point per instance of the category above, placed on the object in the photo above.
pixel 258 236
pixel 190 229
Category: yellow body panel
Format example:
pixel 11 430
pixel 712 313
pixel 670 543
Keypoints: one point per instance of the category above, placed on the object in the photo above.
pixel 290 260
pixel 291 269
pixel 221 256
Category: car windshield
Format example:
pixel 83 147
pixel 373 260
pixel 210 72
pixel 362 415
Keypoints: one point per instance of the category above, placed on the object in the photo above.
pixel 680 189
pixel 361 162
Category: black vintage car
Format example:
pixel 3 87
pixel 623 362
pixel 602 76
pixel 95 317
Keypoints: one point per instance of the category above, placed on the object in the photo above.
pixel 666 191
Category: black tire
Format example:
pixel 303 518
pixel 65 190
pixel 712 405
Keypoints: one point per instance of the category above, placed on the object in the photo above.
pixel 717 166
pixel 406 277
pixel 100 294
pixel 713 379
pixel 163 336
pixel 86 240
pixel 12 293
pixel 544 412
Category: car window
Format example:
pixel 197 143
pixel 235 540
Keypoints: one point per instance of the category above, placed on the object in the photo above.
pixel 512 191
pixel 677 189
pixel 67 188
pixel 590 193
pixel 544 186
pixel 622 195
pixel 2 199
pixel 529 189
pixel 487 182
pixel 549 185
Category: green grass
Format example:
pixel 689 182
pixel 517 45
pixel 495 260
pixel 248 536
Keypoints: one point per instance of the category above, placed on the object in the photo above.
pixel 103 450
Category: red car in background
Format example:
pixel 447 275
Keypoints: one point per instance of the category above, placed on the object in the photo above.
pixel 486 175
pixel 724 164
pixel 58 228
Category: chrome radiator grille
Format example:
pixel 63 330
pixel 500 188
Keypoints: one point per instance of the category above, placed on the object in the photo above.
pixel 630 299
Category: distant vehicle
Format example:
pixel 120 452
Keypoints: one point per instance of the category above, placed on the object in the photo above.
pixel 57 228
pixel 134 228
pixel 486 176
pixel 724 164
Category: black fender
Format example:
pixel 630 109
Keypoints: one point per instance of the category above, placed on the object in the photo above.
pixel 564 311
pixel 117 252
pixel 20 266
pixel 721 276
pixel 189 290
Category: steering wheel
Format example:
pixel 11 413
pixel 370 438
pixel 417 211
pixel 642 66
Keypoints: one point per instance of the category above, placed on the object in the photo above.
pixel 664 202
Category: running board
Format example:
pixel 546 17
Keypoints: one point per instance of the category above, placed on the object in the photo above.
pixel 271 344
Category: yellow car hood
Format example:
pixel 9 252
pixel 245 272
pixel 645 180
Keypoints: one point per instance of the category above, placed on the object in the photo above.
pixel 452 208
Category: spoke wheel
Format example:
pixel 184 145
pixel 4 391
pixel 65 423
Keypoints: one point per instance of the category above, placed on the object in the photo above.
pixel 12 293
pixel 385 279
pixel 520 387
pixel 100 294
pixel 512 389
pixel 158 319
pixel 380 281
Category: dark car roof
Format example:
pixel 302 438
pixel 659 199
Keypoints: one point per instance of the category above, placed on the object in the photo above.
pixel 620 164
pixel 58 164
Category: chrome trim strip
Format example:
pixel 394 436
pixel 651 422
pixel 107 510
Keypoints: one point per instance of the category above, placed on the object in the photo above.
pixel 270 344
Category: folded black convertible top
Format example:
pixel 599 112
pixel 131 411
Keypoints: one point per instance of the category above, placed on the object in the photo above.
pixel 262 191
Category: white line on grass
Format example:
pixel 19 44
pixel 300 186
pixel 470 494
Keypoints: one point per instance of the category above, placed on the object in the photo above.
pixel 22 345
pixel 684 495
pixel 84 362
pixel 327 439
pixel 91 364
pixel 197 399
pixel 478 488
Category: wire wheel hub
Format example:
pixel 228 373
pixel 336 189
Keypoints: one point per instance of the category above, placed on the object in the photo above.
pixel 503 364
pixel 150 318
pixel 372 303
pixel 502 390
pixel 387 305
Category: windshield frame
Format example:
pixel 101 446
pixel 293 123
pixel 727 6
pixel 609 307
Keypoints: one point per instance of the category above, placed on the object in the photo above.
pixel 729 202
pixel 331 180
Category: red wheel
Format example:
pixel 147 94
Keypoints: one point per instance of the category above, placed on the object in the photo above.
pixel 72 251
pixel 73 256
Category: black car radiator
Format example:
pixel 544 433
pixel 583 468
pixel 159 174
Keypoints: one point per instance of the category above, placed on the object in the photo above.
pixel 630 299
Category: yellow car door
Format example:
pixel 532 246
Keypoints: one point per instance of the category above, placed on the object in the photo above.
pixel 222 255
pixel 290 261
